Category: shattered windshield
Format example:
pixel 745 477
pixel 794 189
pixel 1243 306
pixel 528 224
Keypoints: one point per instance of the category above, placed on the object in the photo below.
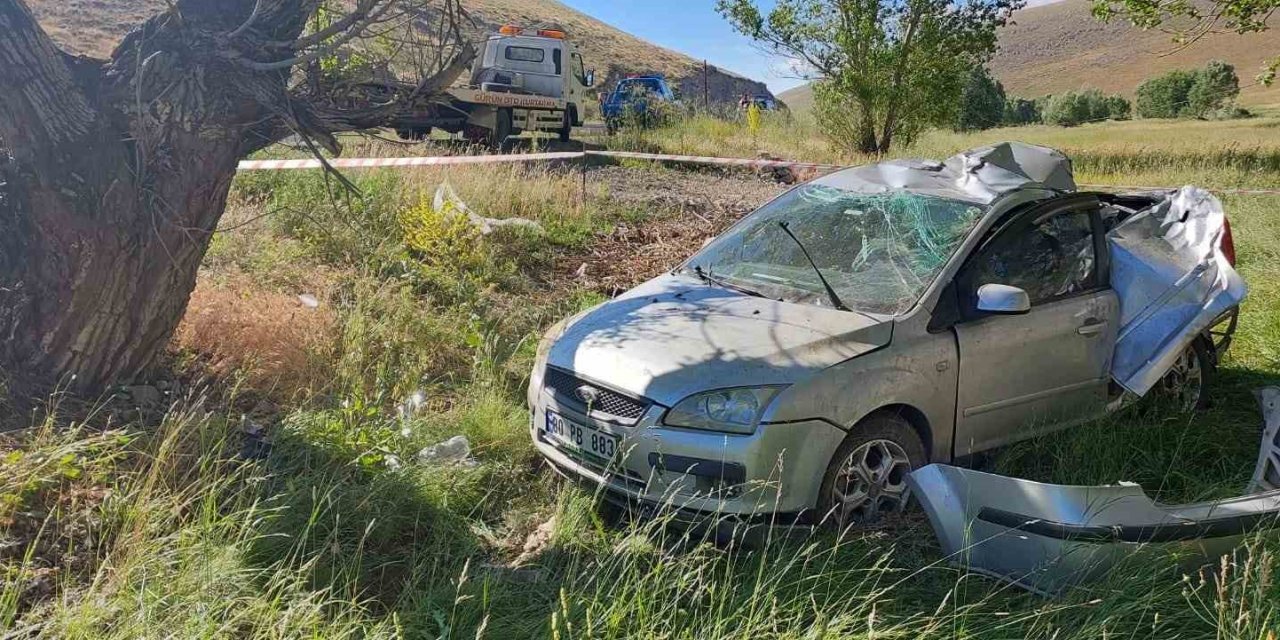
pixel 878 251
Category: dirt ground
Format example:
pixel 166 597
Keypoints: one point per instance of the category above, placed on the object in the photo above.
pixel 683 210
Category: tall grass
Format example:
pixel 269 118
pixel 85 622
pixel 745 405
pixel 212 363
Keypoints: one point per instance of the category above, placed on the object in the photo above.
pixel 1135 153
pixel 310 516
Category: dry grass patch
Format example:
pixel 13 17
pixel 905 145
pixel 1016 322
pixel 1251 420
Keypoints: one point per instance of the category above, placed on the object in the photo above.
pixel 279 344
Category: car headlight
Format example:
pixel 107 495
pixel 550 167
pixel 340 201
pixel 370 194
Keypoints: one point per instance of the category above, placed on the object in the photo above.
pixel 735 410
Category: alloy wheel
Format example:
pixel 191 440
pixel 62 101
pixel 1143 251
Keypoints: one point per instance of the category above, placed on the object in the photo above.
pixel 871 482
pixel 1184 383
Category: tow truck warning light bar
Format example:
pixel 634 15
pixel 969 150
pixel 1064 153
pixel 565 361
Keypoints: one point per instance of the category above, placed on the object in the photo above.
pixel 513 30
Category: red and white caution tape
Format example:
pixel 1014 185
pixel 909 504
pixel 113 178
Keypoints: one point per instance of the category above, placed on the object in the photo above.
pixel 802 169
pixel 726 162
pixel 370 163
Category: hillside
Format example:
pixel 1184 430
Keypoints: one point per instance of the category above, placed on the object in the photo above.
pixel 1060 46
pixel 92 27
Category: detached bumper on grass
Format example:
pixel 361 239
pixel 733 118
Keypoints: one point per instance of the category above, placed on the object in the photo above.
pixel 1047 538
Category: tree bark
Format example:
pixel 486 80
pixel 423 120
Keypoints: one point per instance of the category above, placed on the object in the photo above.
pixel 114 174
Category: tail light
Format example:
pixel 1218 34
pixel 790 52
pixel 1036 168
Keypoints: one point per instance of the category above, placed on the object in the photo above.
pixel 1228 245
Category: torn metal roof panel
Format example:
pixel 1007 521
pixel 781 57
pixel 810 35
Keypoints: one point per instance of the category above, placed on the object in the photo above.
pixel 978 175
pixel 1173 280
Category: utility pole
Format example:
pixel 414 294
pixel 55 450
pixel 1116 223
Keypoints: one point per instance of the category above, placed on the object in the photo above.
pixel 706 87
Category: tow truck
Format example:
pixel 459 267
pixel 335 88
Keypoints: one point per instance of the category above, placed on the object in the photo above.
pixel 522 80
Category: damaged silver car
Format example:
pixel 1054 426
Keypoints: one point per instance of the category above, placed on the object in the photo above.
pixel 880 318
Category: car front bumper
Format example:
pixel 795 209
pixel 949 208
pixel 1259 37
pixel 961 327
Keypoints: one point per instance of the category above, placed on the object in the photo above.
pixel 775 471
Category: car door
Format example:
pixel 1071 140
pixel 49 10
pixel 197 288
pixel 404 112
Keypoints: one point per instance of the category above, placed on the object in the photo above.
pixel 1021 375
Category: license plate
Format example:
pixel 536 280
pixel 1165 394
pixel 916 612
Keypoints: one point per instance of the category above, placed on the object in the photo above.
pixel 580 437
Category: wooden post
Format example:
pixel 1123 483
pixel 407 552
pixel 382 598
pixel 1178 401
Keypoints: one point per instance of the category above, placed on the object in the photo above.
pixel 706 88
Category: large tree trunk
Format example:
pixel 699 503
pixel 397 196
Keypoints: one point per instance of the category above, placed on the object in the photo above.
pixel 114 174
pixel 110 194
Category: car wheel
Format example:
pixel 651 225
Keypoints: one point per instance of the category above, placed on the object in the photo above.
pixel 566 126
pixel 498 137
pixel 1185 386
pixel 867 477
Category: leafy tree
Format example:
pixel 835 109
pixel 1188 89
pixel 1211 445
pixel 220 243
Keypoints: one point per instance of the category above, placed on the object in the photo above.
pixel 1067 110
pixel 1079 107
pixel 1188 21
pixel 1216 86
pixel 1117 107
pixel 1164 96
pixel 887 68
pixel 114 173
pixel 1189 94
pixel 982 102
pixel 1021 111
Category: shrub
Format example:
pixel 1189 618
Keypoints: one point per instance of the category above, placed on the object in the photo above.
pixel 982 103
pixel 1020 111
pixel 1215 87
pixel 1117 107
pixel 1078 107
pixel 1189 94
pixel 1164 96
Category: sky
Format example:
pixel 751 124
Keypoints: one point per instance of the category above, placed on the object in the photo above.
pixel 693 27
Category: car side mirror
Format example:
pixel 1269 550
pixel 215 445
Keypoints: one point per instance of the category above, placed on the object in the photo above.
pixel 1003 299
pixel 591 78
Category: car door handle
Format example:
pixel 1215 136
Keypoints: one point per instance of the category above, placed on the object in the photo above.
pixel 1091 327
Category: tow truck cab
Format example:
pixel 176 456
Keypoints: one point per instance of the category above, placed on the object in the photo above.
pixel 541 62
pixel 522 80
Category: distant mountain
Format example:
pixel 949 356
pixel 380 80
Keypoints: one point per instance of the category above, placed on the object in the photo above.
pixel 92 27
pixel 1061 46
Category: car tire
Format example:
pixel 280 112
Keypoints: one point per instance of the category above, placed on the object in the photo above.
pixel 1186 385
pixel 503 130
pixel 566 127
pixel 866 478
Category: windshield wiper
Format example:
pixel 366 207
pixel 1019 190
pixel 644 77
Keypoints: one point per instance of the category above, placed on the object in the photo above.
pixel 831 292
pixel 707 277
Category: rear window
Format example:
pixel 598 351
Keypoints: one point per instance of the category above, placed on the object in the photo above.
pixel 526 54
pixel 643 85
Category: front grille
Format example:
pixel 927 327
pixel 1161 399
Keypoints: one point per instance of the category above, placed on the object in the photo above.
pixel 608 403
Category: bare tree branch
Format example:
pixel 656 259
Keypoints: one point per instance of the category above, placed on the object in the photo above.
pixel 257 9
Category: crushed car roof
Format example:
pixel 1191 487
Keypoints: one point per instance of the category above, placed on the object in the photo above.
pixel 977 175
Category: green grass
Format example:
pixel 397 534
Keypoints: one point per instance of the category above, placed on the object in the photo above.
pixel 125 525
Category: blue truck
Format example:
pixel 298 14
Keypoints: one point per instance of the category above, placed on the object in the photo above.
pixel 636 99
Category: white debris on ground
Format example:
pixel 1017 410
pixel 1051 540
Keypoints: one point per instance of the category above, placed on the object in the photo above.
pixel 447 202
pixel 309 301
pixel 454 451
pixel 536 542
pixel 412 406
